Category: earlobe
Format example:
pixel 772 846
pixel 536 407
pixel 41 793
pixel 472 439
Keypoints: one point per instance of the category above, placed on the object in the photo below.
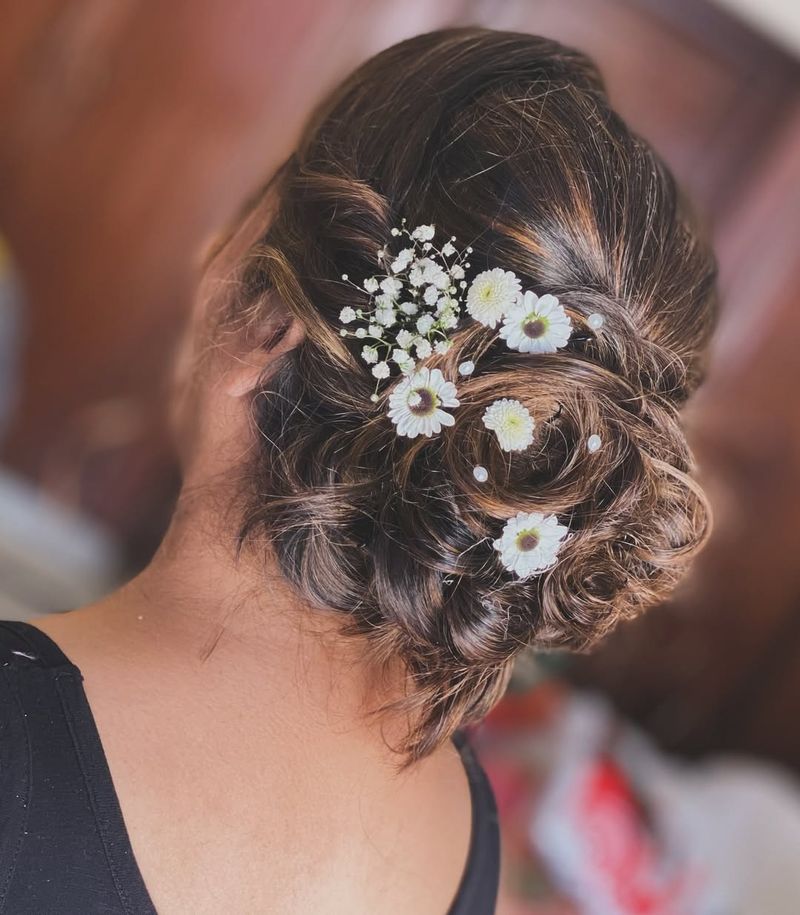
pixel 285 338
pixel 250 368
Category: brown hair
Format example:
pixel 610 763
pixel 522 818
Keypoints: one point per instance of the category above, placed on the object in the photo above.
pixel 506 141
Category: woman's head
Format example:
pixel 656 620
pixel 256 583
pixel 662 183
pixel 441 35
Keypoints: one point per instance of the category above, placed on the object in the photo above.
pixel 507 142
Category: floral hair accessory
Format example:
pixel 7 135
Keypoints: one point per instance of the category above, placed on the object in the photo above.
pixel 417 298
pixel 416 404
pixel 536 325
pixel 530 543
pixel 492 295
pixel 512 424
pixel 415 302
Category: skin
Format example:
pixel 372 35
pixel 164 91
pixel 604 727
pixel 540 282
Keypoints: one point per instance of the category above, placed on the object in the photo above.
pixel 237 722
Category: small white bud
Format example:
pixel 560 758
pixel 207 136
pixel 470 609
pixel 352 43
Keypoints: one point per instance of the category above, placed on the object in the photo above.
pixel 480 473
pixel 594 442
pixel 595 321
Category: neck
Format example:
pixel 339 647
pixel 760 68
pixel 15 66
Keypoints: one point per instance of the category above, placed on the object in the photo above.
pixel 202 608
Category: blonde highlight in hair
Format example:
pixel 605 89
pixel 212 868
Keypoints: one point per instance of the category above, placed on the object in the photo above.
pixel 506 141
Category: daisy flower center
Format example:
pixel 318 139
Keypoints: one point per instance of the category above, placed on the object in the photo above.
pixel 422 402
pixel 511 423
pixel 527 541
pixel 534 326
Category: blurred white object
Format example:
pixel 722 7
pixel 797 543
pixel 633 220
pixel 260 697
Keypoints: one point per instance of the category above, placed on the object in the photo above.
pixel 625 830
pixel 50 557
pixel 779 19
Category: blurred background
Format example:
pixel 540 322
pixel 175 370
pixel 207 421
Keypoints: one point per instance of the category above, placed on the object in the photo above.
pixel 88 478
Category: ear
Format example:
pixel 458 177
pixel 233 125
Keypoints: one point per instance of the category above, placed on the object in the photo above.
pixel 251 365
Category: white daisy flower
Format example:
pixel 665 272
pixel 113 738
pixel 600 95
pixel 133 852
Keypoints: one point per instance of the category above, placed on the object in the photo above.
pixel 448 250
pixel 423 233
pixel 424 324
pixel 392 287
pixel 423 348
pixel 491 294
pixel 381 370
pixel 536 325
pixel 443 346
pixel 369 354
pixel 511 423
pixel 416 404
pixel 409 308
pixel 444 303
pixel 457 272
pixel 361 333
pixel 404 338
pixel 448 319
pixel 530 543
pixel 384 301
pixel 371 284
pixel 375 330
pixel 347 315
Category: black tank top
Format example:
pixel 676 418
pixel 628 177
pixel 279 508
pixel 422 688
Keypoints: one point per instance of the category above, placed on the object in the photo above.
pixel 64 849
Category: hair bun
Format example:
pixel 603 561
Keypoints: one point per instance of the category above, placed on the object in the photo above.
pixel 512 148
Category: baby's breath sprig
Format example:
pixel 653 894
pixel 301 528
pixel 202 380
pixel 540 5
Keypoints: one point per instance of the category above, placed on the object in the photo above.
pixel 416 300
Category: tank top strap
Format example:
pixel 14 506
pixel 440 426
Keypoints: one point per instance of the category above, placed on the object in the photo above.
pixel 24 644
pixel 477 893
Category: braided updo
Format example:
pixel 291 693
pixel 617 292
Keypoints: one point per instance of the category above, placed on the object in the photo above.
pixel 507 142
